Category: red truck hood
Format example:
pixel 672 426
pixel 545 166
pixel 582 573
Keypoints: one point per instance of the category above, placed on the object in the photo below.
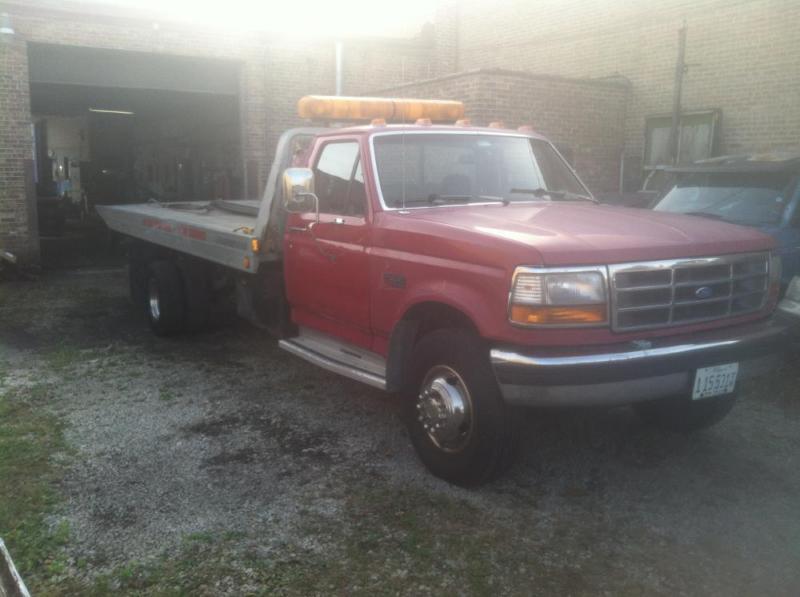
pixel 584 233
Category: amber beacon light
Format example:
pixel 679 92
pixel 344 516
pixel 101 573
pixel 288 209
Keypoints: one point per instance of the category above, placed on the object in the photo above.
pixel 322 107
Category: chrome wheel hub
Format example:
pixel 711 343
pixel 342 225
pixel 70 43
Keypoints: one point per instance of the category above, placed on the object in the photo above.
pixel 153 302
pixel 444 408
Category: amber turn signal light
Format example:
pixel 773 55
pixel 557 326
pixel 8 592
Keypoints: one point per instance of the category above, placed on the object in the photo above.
pixel 550 314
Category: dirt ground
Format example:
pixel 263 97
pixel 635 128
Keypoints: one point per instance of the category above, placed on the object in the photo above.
pixel 217 464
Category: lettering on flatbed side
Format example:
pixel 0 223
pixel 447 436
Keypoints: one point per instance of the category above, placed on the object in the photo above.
pixel 157 224
pixel 181 229
pixel 190 232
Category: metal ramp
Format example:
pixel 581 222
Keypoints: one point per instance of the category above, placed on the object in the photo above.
pixel 11 584
pixel 340 357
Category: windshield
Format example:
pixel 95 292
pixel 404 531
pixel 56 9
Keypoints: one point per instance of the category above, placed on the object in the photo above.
pixel 753 199
pixel 418 170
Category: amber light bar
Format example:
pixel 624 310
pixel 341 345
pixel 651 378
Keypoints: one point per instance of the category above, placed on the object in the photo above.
pixel 324 107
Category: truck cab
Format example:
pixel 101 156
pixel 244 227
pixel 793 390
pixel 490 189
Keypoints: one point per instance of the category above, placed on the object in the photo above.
pixel 470 270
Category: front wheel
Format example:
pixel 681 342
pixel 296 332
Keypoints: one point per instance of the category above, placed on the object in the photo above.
pixel 681 413
pixel 460 426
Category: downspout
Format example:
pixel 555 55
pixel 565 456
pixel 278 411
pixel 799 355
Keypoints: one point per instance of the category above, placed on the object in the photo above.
pixel 338 68
pixel 680 70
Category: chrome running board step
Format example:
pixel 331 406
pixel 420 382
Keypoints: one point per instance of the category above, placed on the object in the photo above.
pixel 337 356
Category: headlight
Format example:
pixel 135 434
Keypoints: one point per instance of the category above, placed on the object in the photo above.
pixel 558 297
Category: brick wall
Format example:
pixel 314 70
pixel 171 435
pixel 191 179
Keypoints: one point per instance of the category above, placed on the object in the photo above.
pixel 743 56
pixel 18 231
pixel 274 74
pixel 585 118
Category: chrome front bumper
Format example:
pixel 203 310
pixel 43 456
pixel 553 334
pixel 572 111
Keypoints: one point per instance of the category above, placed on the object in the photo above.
pixel 633 371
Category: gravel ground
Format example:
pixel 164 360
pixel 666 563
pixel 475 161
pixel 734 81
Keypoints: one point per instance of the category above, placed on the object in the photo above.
pixel 222 435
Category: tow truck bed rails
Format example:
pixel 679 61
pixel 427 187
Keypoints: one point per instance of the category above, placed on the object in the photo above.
pixel 218 231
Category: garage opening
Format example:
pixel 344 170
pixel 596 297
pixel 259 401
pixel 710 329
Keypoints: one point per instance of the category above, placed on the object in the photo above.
pixel 115 127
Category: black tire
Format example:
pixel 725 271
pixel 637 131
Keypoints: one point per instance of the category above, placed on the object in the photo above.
pixel 485 443
pixel 681 413
pixel 165 299
pixel 197 295
pixel 137 278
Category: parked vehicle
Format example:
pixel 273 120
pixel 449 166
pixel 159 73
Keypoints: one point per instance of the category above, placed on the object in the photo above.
pixel 790 304
pixel 470 270
pixel 760 191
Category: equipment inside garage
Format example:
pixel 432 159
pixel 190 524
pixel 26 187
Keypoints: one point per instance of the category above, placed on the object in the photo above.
pixel 117 127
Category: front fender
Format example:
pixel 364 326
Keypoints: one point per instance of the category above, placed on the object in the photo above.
pixel 403 280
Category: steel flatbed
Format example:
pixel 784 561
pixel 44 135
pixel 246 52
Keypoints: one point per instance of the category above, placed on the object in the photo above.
pixel 239 234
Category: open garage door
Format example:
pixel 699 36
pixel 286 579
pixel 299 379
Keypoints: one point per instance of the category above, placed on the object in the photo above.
pixel 127 127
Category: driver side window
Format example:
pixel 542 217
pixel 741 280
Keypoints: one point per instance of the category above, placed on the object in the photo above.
pixel 337 180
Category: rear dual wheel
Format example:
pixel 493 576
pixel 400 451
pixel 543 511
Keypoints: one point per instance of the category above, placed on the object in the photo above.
pixel 175 299
pixel 165 298
pixel 459 424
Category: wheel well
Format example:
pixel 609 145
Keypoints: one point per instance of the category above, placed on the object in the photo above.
pixel 418 321
pixel 431 316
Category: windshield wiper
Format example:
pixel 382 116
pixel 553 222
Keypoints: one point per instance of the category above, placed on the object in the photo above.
pixel 561 195
pixel 704 214
pixel 435 198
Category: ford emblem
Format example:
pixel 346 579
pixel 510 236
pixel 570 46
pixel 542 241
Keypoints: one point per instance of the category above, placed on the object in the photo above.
pixel 704 292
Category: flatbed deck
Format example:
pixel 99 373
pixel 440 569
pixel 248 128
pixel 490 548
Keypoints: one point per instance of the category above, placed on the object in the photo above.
pixel 197 228
pixel 220 231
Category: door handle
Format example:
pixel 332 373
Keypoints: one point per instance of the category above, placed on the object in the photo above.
pixel 298 228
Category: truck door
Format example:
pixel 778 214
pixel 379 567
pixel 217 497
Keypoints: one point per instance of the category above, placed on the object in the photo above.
pixel 327 274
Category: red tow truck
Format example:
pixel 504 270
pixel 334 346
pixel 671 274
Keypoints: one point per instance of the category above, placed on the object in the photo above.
pixel 470 270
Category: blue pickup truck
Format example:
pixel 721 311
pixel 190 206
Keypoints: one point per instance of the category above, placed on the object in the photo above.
pixel 761 191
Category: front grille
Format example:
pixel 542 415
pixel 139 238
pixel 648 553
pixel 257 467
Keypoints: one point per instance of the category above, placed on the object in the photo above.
pixel 679 292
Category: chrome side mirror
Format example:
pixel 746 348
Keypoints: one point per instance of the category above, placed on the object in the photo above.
pixel 298 191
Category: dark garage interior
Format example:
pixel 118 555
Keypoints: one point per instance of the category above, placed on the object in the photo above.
pixel 125 127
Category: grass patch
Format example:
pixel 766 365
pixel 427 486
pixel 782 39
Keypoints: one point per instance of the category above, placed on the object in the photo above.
pixel 62 357
pixel 166 395
pixel 407 540
pixel 28 438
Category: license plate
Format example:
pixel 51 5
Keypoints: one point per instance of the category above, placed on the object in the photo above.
pixel 715 381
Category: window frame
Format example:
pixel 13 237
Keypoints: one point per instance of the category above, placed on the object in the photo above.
pixel 358 159
pixel 373 160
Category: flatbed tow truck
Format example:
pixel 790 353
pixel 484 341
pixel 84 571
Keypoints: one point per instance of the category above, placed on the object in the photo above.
pixel 470 270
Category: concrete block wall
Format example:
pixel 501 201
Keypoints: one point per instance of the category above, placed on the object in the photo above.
pixel 584 117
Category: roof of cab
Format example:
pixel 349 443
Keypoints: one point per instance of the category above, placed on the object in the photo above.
pixel 371 129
